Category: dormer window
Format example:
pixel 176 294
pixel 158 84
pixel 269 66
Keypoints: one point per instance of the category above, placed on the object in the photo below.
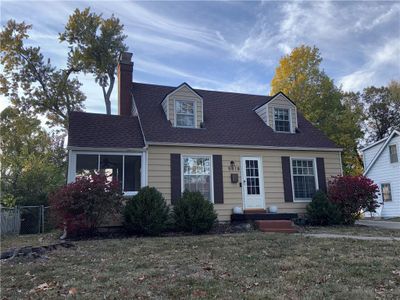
pixel 185 112
pixel 279 113
pixel 183 107
pixel 282 119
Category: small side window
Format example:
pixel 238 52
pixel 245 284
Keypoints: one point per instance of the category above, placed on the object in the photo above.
pixel 386 192
pixel 393 154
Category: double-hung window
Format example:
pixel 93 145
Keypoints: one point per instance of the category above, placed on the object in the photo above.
pixel 281 119
pixel 393 154
pixel 197 175
pixel 304 179
pixel 126 169
pixel 386 192
pixel 185 113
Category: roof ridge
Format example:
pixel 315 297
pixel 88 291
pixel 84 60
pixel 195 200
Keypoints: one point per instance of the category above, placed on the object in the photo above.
pixel 201 90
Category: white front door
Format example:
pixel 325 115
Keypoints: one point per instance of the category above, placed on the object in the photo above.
pixel 252 183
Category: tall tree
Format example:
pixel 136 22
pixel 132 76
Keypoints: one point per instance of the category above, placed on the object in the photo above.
pixel 95 44
pixel 383 110
pixel 31 82
pixel 300 76
pixel 32 161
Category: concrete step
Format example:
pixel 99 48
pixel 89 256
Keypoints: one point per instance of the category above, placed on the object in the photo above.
pixel 255 211
pixel 282 230
pixel 276 226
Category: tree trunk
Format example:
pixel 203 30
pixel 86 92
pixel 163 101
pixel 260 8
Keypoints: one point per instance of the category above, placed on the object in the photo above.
pixel 107 94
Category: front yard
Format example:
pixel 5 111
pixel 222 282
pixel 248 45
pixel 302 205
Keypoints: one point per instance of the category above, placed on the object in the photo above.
pixel 251 265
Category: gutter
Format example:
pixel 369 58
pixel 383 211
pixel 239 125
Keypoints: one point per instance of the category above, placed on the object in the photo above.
pixel 150 143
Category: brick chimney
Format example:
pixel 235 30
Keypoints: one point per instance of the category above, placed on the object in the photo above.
pixel 125 70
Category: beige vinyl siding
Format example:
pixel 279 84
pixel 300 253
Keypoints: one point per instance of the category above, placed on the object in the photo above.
pixel 282 102
pixel 184 93
pixel 262 112
pixel 159 174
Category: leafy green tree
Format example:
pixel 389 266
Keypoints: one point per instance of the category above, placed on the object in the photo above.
pixel 383 112
pixel 95 44
pixel 32 161
pixel 338 115
pixel 32 83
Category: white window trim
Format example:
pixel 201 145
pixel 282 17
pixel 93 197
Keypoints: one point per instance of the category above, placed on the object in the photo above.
pixel 194 110
pixel 397 152
pixel 289 115
pixel 381 190
pixel 315 177
pixel 211 172
pixel 143 168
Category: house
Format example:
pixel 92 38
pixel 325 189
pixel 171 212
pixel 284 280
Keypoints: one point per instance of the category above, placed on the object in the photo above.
pixel 382 165
pixel 238 150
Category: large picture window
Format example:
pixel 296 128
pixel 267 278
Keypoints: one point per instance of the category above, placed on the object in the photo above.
pixel 126 169
pixel 111 166
pixel 197 175
pixel 304 179
pixel 281 118
pixel 185 113
pixel 86 164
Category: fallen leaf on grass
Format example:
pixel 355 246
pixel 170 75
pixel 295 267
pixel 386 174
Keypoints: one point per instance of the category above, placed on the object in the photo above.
pixel 396 272
pixel 224 275
pixel 72 292
pixel 41 287
pixel 199 293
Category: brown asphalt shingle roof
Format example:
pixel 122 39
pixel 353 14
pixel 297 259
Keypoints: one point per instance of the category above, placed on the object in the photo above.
pixel 229 119
pixel 104 131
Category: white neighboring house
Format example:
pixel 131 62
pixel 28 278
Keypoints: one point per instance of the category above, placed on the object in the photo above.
pixel 382 165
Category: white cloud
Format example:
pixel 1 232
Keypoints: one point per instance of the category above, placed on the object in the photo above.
pixel 137 17
pixel 382 16
pixel 294 24
pixel 383 64
pixel 248 85
pixel 354 39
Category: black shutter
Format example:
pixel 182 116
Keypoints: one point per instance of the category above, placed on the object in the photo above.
pixel 287 179
pixel 218 179
pixel 176 192
pixel 321 174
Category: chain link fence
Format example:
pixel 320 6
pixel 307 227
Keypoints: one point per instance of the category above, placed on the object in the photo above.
pixel 26 220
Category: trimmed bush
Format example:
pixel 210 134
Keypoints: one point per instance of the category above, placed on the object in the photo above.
pixel 352 195
pixel 84 205
pixel 146 213
pixel 322 212
pixel 193 213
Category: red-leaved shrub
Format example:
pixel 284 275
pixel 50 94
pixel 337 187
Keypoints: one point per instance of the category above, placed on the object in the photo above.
pixel 353 194
pixel 82 206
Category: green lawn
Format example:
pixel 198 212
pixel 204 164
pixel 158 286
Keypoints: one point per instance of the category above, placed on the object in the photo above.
pixel 354 230
pixel 251 265
pixel 394 219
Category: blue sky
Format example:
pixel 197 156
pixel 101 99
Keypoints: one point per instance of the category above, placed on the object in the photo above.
pixel 232 46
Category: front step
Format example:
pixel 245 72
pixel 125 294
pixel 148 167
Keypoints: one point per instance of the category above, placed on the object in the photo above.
pixel 276 226
pixel 255 211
